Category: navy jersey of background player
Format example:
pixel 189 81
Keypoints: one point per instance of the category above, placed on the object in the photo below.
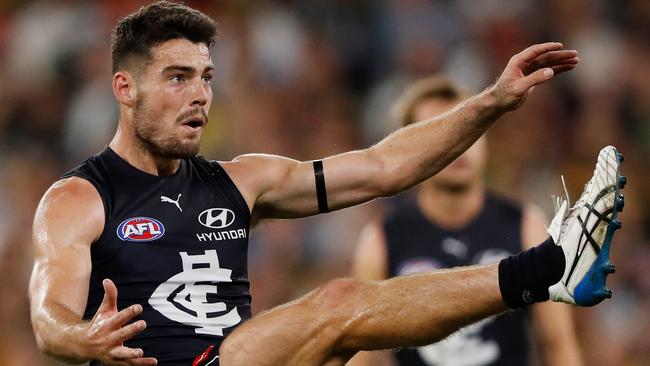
pixel 175 244
pixel 415 244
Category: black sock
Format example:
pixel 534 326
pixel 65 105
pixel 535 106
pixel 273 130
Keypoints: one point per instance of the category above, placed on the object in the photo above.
pixel 524 278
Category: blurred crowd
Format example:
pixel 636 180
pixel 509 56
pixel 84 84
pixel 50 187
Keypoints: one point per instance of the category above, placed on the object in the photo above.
pixel 311 78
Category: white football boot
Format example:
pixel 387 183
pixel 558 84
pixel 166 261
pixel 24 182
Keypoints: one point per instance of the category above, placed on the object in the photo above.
pixel 585 233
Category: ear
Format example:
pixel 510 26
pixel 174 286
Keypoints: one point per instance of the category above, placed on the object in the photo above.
pixel 124 88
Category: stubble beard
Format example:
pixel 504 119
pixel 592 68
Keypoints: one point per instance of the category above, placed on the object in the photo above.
pixel 152 139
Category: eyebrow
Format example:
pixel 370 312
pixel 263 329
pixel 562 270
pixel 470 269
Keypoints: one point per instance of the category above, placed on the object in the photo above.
pixel 187 69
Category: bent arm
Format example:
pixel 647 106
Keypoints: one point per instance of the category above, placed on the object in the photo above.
pixel 552 322
pixel 69 218
pixel 284 188
pixel 370 263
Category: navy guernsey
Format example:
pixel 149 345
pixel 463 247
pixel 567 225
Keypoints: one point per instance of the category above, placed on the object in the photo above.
pixel 416 244
pixel 175 244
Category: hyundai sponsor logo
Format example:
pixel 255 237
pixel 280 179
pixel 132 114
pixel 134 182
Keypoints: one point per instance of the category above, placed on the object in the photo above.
pixel 217 218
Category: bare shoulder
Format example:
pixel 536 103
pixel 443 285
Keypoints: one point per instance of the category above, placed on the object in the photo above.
pixel 371 258
pixel 254 174
pixel 260 164
pixel 533 225
pixel 533 215
pixel 70 207
pixel 72 194
pixel 372 237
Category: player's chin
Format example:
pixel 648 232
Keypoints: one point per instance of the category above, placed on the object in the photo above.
pixel 190 138
pixel 191 148
pixel 184 148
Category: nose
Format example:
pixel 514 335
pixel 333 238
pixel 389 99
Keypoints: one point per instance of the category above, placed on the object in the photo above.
pixel 200 94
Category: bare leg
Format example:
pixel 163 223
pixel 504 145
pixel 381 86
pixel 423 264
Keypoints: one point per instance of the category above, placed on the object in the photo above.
pixel 332 323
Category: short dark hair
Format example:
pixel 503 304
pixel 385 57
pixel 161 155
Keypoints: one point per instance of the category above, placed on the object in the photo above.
pixel 136 34
pixel 433 87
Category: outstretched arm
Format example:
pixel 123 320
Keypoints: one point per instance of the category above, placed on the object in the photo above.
pixel 69 218
pixel 285 188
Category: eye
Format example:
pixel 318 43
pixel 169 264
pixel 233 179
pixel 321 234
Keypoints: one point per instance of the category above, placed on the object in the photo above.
pixel 176 78
pixel 207 78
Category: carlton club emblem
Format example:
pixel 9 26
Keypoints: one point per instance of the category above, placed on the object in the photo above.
pixel 187 296
pixel 217 218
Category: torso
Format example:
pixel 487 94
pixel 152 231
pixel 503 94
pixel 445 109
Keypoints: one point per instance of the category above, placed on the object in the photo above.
pixel 415 244
pixel 178 246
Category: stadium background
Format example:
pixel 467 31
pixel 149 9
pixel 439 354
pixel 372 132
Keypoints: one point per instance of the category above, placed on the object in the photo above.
pixel 312 78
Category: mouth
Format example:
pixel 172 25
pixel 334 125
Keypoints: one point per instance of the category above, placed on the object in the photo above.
pixel 194 123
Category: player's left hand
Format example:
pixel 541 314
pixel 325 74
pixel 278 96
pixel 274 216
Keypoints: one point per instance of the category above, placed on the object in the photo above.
pixel 110 328
pixel 532 66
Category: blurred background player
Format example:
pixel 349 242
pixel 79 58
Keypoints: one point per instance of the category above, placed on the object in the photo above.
pixel 316 68
pixel 452 220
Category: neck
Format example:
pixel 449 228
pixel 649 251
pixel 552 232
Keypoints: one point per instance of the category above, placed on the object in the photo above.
pixel 135 153
pixel 451 208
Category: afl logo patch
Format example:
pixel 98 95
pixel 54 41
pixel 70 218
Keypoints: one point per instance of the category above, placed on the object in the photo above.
pixel 216 218
pixel 140 229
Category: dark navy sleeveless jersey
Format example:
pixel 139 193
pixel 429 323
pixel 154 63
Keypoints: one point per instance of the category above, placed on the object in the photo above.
pixel 415 244
pixel 175 244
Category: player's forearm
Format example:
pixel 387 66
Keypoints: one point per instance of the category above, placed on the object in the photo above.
pixel 60 334
pixel 414 153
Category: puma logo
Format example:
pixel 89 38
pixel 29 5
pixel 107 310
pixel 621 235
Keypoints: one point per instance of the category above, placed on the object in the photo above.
pixel 169 200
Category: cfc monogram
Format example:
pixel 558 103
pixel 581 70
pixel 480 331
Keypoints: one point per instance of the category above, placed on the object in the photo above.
pixel 184 297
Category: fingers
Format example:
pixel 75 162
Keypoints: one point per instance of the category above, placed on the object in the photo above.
pixel 555 57
pixel 110 296
pixel 545 66
pixel 127 332
pixel 535 50
pixel 532 66
pixel 562 68
pixel 535 78
pixel 109 303
pixel 541 75
pixel 131 356
pixel 551 59
pixel 125 353
pixel 144 361
pixel 125 315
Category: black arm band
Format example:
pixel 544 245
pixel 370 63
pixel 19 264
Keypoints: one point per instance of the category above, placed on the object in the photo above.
pixel 321 192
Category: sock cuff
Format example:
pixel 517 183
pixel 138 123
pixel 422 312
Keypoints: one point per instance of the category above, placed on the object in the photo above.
pixel 524 278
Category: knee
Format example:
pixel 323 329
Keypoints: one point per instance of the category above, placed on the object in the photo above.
pixel 231 348
pixel 344 307
pixel 327 313
pixel 339 292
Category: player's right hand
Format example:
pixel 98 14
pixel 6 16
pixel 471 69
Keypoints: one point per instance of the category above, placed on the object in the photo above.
pixel 532 66
pixel 108 330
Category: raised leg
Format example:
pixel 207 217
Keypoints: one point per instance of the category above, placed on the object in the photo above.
pixel 332 323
